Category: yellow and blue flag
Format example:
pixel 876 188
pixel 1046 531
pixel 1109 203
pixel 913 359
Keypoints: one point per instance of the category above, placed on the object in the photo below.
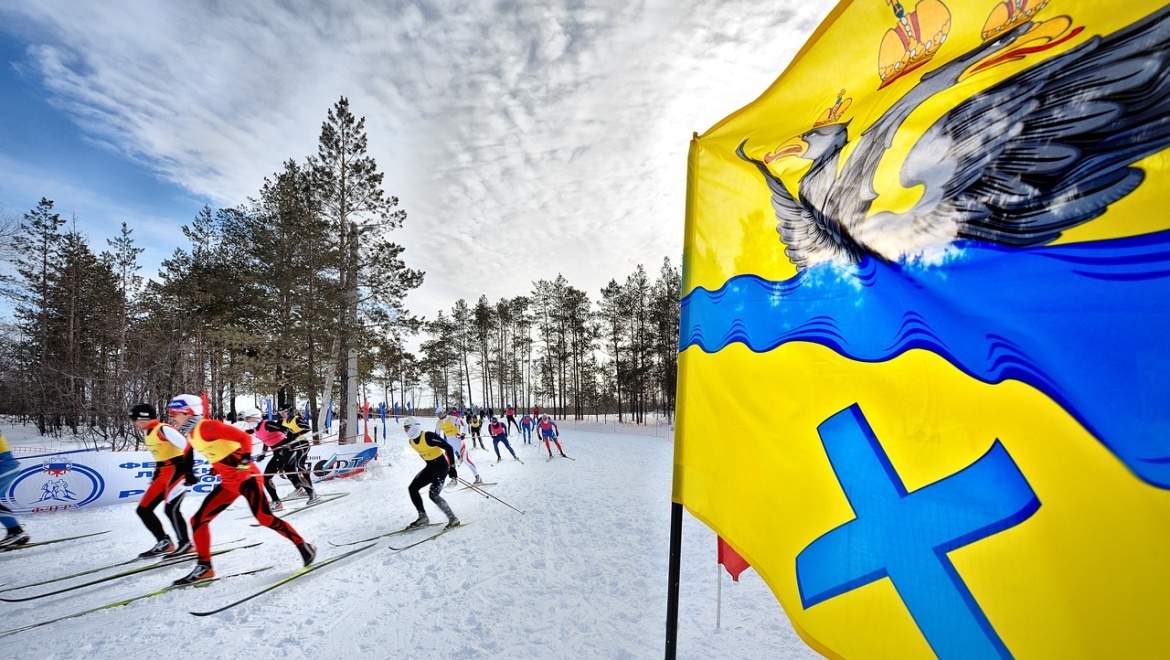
pixel 924 354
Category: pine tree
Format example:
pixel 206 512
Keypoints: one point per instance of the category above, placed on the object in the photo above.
pixel 123 261
pixel 664 312
pixel 348 192
pixel 615 332
pixel 38 247
pixel 483 323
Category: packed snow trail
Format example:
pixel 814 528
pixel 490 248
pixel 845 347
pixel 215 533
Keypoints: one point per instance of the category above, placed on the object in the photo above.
pixel 581 574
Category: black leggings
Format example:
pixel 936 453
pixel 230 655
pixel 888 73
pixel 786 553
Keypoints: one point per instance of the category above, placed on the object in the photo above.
pixel 167 478
pixel 291 462
pixel 433 473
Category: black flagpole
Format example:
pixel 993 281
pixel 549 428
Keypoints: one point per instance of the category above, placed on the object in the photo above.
pixel 676 511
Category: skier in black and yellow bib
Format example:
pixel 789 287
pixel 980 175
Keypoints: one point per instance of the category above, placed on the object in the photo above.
pixel 173 472
pixel 440 458
pixel 476 423
pixel 454 430
pixel 289 457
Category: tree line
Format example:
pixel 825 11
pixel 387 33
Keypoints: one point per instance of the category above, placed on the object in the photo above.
pixel 297 294
pixel 556 348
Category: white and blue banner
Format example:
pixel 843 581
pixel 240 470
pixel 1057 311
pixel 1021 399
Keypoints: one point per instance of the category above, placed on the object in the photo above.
pixel 60 481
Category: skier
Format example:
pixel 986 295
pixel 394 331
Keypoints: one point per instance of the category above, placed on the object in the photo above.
pixel 440 458
pixel 174 471
pixel 499 434
pixel 549 431
pixel 526 425
pixel 8 468
pixel 229 450
pixel 270 434
pixel 510 414
pixel 294 452
pixel 476 423
pixel 454 430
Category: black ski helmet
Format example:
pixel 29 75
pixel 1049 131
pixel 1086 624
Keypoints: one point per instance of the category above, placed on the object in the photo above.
pixel 143 411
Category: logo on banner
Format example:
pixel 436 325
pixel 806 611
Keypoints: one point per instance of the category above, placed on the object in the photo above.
pixel 57 483
pixel 336 467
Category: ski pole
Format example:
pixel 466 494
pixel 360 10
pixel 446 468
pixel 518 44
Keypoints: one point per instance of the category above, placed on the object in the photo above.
pixel 484 492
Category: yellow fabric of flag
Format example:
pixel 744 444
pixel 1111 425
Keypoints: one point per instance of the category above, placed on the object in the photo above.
pixel 924 355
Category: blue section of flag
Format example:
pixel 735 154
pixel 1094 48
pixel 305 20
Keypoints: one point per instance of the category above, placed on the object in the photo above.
pixel 906 536
pixel 1083 323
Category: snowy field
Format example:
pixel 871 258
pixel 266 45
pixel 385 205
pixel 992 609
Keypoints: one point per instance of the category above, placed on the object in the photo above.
pixel 581 574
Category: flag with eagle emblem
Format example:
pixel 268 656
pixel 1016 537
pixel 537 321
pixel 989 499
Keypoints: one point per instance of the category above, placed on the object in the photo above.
pixel 924 352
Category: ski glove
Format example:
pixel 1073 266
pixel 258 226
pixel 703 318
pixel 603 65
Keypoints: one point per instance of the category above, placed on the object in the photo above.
pixel 245 463
pixel 452 473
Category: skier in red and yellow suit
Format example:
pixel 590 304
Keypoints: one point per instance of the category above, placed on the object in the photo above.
pixel 229 450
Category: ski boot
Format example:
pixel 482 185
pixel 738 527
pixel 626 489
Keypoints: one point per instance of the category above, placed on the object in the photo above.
pixel 182 548
pixel 161 548
pixel 478 481
pixel 14 538
pixel 308 552
pixel 200 572
pixel 313 499
pixel 421 521
pixel 453 522
pixel 277 505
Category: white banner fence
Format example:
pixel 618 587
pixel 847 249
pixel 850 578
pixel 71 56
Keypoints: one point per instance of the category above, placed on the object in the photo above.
pixel 59 481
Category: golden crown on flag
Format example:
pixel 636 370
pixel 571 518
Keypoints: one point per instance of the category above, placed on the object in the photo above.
pixel 1008 14
pixel 914 39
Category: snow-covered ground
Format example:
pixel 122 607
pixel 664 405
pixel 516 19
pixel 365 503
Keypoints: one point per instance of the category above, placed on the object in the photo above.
pixel 581 574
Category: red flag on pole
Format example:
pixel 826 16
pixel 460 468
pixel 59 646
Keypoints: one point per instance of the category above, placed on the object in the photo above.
pixel 731 560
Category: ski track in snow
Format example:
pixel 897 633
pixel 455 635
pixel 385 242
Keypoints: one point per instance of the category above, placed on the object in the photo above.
pixel 582 574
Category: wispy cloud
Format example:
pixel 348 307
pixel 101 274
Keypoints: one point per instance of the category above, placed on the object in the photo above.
pixel 524 139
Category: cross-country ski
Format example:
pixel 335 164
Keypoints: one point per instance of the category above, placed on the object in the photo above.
pixel 396 532
pixel 38 544
pixel 89 571
pixel 286 580
pixel 484 484
pixel 324 499
pixel 166 563
pixel 126 601
pixel 426 539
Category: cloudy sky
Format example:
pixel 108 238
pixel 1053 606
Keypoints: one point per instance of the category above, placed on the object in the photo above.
pixel 523 139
